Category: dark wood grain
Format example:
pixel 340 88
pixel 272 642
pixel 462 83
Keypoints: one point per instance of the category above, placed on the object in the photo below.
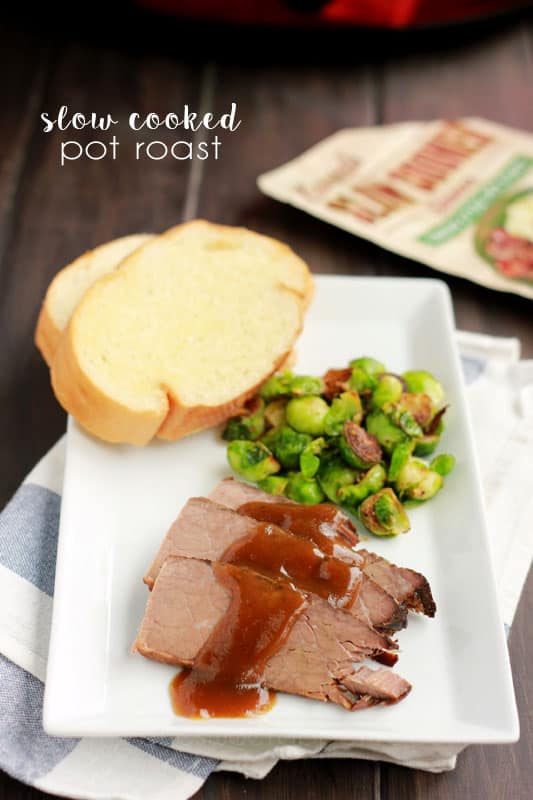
pixel 310 780
pixel 292 90
pixel 58 212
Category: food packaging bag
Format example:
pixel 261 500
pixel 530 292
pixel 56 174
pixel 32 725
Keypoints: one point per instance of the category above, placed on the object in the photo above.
pixel 456 195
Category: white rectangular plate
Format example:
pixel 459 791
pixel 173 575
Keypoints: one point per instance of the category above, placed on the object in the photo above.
pixel 118 502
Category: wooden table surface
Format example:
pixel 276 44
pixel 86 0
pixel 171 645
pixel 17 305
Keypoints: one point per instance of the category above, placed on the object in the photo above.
pixel 292 89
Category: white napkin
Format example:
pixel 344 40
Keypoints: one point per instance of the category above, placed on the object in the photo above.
pixel 500 389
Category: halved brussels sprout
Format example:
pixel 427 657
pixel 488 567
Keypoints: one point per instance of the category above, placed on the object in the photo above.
pixel 274 484
pixel 386 432
pixel 364 377
pixel 400 456
pixel 419 405
pixel 332 475
pixel 275 412
pixel 252 460
pixel 309 457
pixel 287 445
pixel 353 495
pixel 403 419
pixel 417 481
pixel 370 365
pixel 347 406
pixel 304 490
pixel 426 444
pixel 249 426
pixel 443 464
pixel 276 386
pixel 358 447
pixel 420 381
pixel 302 385
pixel 383 514
pixel 388 390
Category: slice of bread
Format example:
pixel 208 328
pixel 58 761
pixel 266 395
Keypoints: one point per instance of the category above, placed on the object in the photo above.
pixel 181 334
pixel 71 283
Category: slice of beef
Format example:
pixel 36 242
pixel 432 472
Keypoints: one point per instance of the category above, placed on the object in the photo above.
pixel 407 587
pixel 316 660
pixel 202 530
pixel 205 530
pixel 376 607
pixel 372 686
pixel 233 494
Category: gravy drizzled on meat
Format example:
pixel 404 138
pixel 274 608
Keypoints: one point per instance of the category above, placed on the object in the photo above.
pixel 325 524
pixel 269 549
pixel 227 677
pixel 253 593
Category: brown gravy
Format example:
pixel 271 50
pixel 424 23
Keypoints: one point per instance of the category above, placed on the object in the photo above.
pixel 277 553
pixel 325 524
pixel 226 679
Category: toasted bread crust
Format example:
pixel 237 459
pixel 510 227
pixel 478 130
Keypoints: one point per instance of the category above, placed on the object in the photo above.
pixel 182 420
pixel 47 335
pixel 47 332
pixel 100 414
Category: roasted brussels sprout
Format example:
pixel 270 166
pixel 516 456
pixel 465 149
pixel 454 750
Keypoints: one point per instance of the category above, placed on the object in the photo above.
pixel 307 414
pixel 403 419
pixel 358 447
pixel 309 457
pixel 286 444
pixel 400 456
pixel 419 405
pixel 437 423
pixel 383 514
pixel 365 372
pixel 335 382
pixel 388 390
pixel 353 436
pixel 250 426
pixel 274 484
pixel 416 481
pixel 304 490
pixel 360 381
pixel 306 384
pixel 252 460
pixel 426 444
pixel 275 412
pixel 276 386
pixel 332 475
pixel 347 406
pixel 386 432
pixel 353 495
pixel 443 464
pixel 420 381
pixel 369 365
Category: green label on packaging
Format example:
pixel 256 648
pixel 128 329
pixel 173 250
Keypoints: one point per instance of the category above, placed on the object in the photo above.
pixel 475 206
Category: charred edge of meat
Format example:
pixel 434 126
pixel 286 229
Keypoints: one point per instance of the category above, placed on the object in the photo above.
pixel 422 599
pixel 397 622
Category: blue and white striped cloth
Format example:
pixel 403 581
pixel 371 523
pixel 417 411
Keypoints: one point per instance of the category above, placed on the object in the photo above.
pixel 175 768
